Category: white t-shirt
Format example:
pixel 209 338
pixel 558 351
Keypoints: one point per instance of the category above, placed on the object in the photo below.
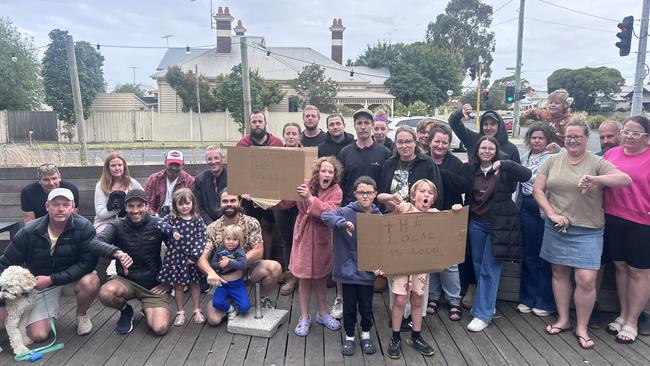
pixel 170 191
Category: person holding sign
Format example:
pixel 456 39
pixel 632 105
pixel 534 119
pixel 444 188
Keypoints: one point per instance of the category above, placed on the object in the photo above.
pixel 311 254
pixel 412 287
pixel 357 285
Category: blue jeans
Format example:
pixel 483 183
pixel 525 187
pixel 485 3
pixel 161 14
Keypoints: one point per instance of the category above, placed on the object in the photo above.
pixel 236 290
pixel 536 289
pixel 447 281
pixel 488 271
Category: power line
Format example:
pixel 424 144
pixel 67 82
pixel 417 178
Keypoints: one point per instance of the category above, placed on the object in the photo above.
pixel 578 11
pixel 567 25
pixel 504 22
pixel 501 6
pixel 603 63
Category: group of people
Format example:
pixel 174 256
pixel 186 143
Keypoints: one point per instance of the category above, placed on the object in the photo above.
pixel 573 212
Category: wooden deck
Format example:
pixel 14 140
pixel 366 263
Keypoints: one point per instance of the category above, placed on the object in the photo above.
pixel 512 339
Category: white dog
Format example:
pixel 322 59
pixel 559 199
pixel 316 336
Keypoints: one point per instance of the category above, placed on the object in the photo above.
pixel 17 290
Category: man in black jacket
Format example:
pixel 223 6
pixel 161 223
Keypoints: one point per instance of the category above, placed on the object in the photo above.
pixel 135 241
pixel 56 249
pixel 491 124
pixel 209 185
pixel 336 137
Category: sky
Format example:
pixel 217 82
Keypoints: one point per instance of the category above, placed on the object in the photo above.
pixel 553 37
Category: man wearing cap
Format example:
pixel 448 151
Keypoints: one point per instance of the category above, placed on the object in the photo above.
pixel 34 195
pixel 312 135
pixel 363 157
pixel 210 184
pixel 135 241
pixel 56 249
pixel 161 185
pixel 336 138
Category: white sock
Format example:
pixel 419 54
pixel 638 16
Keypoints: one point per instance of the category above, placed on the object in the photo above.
pixel 231 309
pixel 365 335
pixel 349 338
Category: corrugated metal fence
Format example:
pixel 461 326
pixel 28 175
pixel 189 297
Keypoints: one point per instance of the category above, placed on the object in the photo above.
pixel 41 125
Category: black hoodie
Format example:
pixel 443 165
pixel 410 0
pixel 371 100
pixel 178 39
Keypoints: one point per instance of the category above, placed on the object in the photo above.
pixel 469 137
pixel 329 147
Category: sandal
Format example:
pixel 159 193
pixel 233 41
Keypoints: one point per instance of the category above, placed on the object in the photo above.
pixel 179 320
pixel 554 330
pixel 432 307
pixel 198 316
pixel 586 341
pixel 302 329
pixel 328 322
pixel 627 335
pixel 614 327
pixel 368 347
pixel 455 313
pixel 347 348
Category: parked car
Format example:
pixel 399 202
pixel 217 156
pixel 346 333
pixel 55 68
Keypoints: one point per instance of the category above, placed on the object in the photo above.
pixel 455 144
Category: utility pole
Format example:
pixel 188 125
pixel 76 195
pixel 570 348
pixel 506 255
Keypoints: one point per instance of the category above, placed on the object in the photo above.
pixel 198 101
pixel 639 76
pixel 520 41
pixel 76 96
pixel 133 68
pixel 166 37
pixel 478 95
pixel 246 86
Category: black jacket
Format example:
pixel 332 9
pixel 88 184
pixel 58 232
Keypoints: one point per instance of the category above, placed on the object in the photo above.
pixel 504 216
pixel 469 137
pixel 450 195
pixel 330 147
pixel 207 196
pixel 358 162
pixel 72 257
pixel 140 240
pixel 422 167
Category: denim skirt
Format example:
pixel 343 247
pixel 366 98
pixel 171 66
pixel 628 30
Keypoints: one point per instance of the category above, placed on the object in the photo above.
pixel 579 247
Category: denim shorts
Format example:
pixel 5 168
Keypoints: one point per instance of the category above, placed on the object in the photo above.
pixel 579 247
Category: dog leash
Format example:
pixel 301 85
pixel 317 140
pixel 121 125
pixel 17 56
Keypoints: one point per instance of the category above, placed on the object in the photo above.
pixel 37 353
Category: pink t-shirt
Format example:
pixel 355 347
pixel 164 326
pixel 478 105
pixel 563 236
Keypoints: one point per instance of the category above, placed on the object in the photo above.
pixel 631 203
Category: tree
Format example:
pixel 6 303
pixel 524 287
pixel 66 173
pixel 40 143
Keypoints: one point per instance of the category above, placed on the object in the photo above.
pixel 586 83
pixel 313 88
pixel 497 92
pixel 184 83
pixel 56 78
pixel 419 71
pixel 129 88
pixel 417 108
pixel 229 94
pixel 20 88
pixel 464 30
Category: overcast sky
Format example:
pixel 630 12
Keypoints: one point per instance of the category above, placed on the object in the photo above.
pixel 305 23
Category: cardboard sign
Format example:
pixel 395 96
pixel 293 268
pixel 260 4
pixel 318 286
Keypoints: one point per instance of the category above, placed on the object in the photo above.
pixel 269 172
pixel 419 242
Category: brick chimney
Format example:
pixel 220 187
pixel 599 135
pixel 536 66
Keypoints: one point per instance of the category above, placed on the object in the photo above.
pixel 224 26
pixel 337 29
pixel 239 29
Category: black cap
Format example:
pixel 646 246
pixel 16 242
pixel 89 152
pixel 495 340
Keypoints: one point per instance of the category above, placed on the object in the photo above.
pixel 491 114
pixel 136 193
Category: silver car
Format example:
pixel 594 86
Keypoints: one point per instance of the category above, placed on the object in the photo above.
pixel 454 145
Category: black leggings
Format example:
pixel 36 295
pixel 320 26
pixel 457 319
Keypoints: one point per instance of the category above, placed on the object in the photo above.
pixel 466 269
pixel 357 296
pixel 286 219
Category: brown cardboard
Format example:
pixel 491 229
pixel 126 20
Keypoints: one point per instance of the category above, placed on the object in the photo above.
pixel 418 242
pixel 269 172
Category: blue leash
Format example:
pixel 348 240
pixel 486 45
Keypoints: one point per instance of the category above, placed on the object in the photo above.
pixel 37 353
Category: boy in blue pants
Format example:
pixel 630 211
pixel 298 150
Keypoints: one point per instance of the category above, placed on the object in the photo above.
pixel 229 261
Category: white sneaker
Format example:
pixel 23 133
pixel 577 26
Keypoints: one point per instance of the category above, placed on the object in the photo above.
pixel 337 309
pixel 477 325
pixel 523 309
pixel 540 312
pixel 232 315
pixel 84 325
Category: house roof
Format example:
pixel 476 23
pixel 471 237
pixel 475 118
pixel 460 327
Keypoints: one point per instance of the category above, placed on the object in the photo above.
pixel 283 63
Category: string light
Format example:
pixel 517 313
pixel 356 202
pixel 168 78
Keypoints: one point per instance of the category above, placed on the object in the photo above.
pixel 13 57
pixel 187 49
pixel 98 46
pixel 351 74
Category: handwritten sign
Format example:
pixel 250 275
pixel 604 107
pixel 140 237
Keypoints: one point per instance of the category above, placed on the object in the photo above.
pixel 269 172
pixel 411 243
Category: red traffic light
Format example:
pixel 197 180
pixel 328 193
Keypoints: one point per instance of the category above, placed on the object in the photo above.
pixel 625 35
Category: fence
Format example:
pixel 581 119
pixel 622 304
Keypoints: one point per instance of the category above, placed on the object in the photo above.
pixel 27 125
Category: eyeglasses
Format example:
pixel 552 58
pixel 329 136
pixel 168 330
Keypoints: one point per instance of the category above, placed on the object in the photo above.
pixel 573 138
pixel 632 134
pixel 404 142
pixel 365 194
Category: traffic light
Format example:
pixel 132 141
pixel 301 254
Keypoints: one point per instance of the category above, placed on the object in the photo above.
pixel 522 94
pixel 626 27
pixel 472 71
pixel 484 96
pixel 510 94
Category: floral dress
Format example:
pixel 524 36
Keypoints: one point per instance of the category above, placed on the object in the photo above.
pixel 175 269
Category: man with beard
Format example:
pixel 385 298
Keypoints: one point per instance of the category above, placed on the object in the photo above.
pixel 135 241
pixel 34 195
pixel 258 136
pixel 336 138
pixel 161 185
pixel 267 272
pixel 312 135
pixel 210 184
pixel 609 133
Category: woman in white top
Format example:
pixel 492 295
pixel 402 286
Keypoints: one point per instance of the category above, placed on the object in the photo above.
pixel 115 177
